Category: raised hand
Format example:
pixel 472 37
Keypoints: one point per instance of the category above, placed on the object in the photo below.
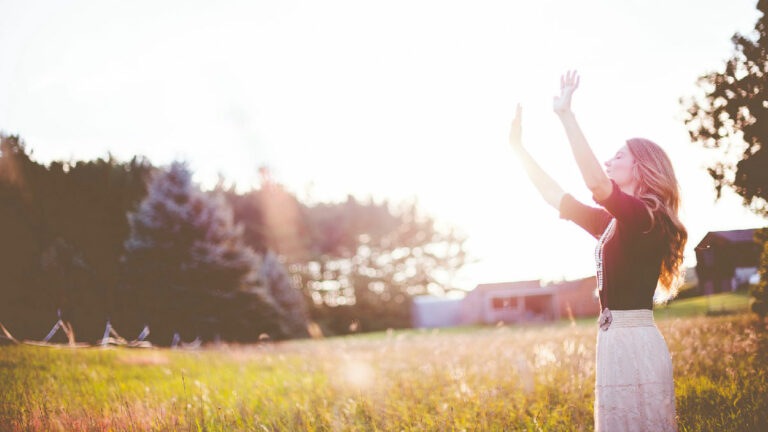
pixel 568 84
pixel 516 130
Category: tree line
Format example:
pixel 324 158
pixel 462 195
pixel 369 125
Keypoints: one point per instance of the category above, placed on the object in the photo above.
pixel 138 244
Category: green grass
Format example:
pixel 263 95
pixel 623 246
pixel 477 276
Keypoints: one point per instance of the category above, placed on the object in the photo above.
pixel 721 303
pixel 715 304
pixel 703 305
pixel 493 378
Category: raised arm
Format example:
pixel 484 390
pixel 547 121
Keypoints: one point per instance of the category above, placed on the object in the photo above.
pixel 595 178
pixel 592 219
pixel 547 187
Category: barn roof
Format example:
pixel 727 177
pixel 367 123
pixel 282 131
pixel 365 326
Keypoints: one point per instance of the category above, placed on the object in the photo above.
pixel 506 285
pixel 570 284
pixel 435 299
pixel 731 236
pixel 532 285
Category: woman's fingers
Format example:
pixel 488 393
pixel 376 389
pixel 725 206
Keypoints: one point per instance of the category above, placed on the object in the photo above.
pixel 569 79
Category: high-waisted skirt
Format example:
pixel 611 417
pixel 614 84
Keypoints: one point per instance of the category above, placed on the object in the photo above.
pixel 634 387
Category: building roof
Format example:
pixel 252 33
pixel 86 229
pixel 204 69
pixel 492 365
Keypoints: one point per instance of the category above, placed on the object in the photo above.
pixel 532 286
pixel 520 286
pixel 506 285
pixel 435 299
pixel 576 283
pixel 732 236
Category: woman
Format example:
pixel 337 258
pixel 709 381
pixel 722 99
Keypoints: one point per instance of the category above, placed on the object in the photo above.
pixel 639 250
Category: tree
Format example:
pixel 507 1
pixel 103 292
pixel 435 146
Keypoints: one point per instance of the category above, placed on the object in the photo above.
pixel 357 263
pixel 189 267
pixel 732 118
pixel 87 206
pixel 291 304
pixel 63 228
pixel 25 235
pixel 365 262
pixel 759 292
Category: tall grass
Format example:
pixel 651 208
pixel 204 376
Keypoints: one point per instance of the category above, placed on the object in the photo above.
pixel 502 378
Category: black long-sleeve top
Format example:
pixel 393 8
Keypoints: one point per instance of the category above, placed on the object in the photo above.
pixel 631 259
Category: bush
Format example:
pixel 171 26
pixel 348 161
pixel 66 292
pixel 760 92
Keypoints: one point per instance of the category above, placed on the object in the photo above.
pixel 759 293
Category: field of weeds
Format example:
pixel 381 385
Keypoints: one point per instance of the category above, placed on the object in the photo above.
pixel 503 378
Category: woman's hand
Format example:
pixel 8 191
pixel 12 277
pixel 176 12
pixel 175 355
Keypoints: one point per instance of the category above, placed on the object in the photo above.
pixel 568 84
pixel 516 130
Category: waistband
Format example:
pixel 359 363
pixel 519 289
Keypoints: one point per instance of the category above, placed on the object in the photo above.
pixel 632 318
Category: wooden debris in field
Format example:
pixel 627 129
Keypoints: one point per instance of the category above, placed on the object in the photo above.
pixel 6 337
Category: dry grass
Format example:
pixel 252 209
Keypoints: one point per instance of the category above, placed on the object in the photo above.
pixel 501 378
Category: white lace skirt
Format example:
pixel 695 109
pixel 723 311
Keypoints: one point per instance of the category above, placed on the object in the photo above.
pixel 634 387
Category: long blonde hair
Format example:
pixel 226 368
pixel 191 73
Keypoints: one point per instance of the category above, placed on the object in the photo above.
pixel 657 186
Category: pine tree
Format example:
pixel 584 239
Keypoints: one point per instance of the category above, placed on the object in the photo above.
pixel 291 303
pixel 188 265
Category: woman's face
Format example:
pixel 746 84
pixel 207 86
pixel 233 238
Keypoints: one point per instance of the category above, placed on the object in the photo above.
pixel 619 167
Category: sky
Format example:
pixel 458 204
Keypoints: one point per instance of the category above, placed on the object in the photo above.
pixel 395 100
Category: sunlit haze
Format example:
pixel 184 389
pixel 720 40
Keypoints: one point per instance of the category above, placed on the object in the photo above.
pixel 392 100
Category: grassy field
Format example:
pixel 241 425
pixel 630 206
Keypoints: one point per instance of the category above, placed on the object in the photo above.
pixel 705 305
pixel 537 377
